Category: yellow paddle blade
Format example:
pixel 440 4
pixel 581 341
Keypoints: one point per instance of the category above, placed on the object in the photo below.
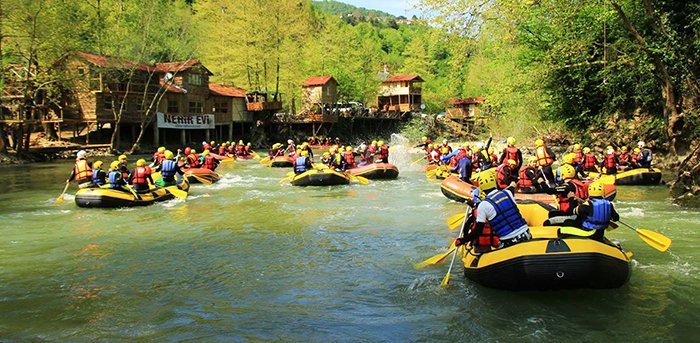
pixel 568 230
pixel 654 239
pixel 59 200
pixel 435 260
pixel 445 280
pixel 455 221
pixel 264 160
pixel 255 155
pixel 431 172
pixel 362 180
pixel 285 179
pixel 177 192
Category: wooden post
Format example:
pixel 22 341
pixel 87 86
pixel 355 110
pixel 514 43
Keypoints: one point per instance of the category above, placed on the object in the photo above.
pixel 87 134
pixel 183 138
pixel 230 132
pixel 207 135
pixel 156 133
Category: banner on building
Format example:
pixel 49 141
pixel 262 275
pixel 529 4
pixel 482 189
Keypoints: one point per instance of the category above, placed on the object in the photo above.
pixel 198 121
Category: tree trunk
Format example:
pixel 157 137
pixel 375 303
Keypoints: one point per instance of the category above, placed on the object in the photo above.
pixel 686 188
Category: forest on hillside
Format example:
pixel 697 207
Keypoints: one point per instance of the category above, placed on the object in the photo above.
pixel 543 66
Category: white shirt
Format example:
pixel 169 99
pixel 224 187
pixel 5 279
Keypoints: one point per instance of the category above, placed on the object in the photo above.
pixel 486 212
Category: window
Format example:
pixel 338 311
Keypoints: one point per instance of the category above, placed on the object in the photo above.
pixel 173 106
pixel 194 79
pixel 107 102
pixel 81 72
pixel 221 107
pixel 195 107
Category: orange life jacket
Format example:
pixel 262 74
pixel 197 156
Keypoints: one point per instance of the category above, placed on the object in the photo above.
pixel 501 176
pixel 609 161
pixel 384 152
pixel 625 157
pixel 83 172
pixel 209 163
pixel 192 161
pixel 543 157
pixel 487 236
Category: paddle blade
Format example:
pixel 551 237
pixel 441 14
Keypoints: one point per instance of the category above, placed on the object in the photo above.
pixel 455 221
pixel 284 179
pixel 59 200
pixel 435 260
pixel 654 239
pixel 446 280
pixel 177 192
pixel 431 172
pixel 264 160
pixel 362 180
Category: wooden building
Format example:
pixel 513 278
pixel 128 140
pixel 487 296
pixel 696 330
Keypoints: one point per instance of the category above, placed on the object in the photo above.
pixel 319 107
pixel 464 109
pixel 400 94
pixel 99 87
pixel 319 91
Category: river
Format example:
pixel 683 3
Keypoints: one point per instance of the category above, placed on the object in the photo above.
pixel 248 259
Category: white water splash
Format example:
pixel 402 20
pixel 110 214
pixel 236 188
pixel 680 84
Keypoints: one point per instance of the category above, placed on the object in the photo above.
pixel 632 212
pixel 400 154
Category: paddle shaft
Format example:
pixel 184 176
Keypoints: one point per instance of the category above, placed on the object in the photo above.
pixel 456 249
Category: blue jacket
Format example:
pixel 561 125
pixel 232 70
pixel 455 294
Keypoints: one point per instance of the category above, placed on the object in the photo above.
pixel 464 165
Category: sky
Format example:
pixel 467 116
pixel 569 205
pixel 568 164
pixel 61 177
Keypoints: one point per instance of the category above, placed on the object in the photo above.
pixel 395 7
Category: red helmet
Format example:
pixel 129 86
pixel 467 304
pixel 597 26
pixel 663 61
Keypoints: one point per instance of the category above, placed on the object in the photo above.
pixel 188 150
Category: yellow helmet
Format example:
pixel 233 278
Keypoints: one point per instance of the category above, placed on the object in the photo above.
pixel 569 158
pixel 303 145
pixel 609 147
pixel 248 144
pixel 304 153
pixel 97 164
pixel 577 146
pixel 374 142
pixel 430 146
pixel 596 189
pixel 193 151
pixel 637 150
pixel 568 172
pixel 276 145
pixel 532 159
pixel 380 143
pixel 168 154
pixel 539 143
pixel 122 157
pixel 349 148
pixel 333 150
pixel 212 143
pixel 490 150
pixel 161 149
pixel 512 162
pixel 114 165
pixel 240 142
pixel 487 180
pixel 624 148
pixel 223 144
pixel 510 141
pixel 141 163
pixel 326 154
pixel 205 152
pixel 586 150
pixel 475 150
pixel 425 138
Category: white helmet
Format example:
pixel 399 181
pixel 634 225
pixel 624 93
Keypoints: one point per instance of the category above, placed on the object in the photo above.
pixel 640 144
pixel 480 145
pixel 81 154
pixel 289 141
pixel 203 142
pixel 444 141
pixel 611 151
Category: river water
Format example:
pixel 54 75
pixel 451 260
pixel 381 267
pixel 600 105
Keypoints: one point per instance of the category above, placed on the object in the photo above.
pixel 248 259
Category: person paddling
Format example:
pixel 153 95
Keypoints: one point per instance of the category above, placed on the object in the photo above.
pixel 141 177
pixel 116 181
pixel 597 212
pixel 168 169
pixel 99 177
pixel 82 171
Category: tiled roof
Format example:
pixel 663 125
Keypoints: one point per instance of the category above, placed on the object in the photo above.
pixel 113 62
pixel 172 88
pixel 176 66
pixel 316 81
pixel 223 90
pixel 402 78
pixel 467 101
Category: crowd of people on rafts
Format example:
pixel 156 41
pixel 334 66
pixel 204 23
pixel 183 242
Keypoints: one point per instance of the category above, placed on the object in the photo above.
pixel 170 165
pixel 500 175
pixel 338 157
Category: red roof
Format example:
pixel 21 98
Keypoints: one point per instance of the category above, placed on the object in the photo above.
pixel 223 90
pixel 177 66
pixel 172 88
pixel 403 78
pixel 316 81
pixel 113 62
pixel 467 101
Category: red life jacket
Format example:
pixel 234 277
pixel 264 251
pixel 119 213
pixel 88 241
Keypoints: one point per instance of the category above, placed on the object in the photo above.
pixel 208 162
pixel 565 203
pixel 140 176
pixel 192 161
pixel 290 148
pixel 543 157
pixel 609 161
pixel 384 152
pixel 206 146
pixel 494 159
pixel 511 154
pixel 158 157
pixel 625 157
pixel 349 158
pixel 501 176
pixel 239 150
pixel 372 148
pixel 579 156
pixel 590 161
pixel 524 180
pixel 83 172
pixel 486 238
pixel 222 150
pixel 247 149
pixel 231 149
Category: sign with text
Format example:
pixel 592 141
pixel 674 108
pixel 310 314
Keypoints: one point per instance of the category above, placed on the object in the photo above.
pixel 196 121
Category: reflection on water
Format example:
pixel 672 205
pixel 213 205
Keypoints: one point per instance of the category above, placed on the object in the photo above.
pixel 250 259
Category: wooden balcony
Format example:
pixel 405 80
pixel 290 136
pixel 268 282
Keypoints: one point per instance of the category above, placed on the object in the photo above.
pixel 263 106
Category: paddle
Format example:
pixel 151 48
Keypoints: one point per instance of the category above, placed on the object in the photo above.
pixel 255 155
pixel 320 166
pixel 359 179
pixel 418 160
pixel 654 239
pixel 59 200
pixel 431 172
pixel 264 160
pixel 446 279
pixel 455 220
